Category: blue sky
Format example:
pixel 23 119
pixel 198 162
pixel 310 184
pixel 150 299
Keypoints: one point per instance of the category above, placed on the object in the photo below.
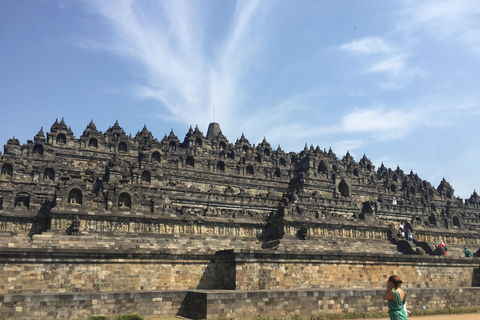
pixel 395 80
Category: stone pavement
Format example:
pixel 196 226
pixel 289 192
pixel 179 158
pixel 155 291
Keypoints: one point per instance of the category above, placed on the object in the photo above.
pixel 466 316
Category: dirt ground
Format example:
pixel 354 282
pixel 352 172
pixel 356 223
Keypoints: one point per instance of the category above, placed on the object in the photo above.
pixel 467 316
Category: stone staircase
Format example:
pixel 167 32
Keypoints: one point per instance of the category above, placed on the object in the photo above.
pixel 334 244
pixel 122 241
pixel 209 244
pixel 419 247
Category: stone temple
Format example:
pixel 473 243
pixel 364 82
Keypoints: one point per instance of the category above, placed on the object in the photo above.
pixel 205 228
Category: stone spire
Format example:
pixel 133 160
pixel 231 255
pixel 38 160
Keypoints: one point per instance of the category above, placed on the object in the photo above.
pixel 213 130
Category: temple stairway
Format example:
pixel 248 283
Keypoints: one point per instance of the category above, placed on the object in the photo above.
pixel 186 243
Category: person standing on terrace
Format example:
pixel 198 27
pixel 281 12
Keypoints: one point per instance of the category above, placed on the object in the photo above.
pixel 396 299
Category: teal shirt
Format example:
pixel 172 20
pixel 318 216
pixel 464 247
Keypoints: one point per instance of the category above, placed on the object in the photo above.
pixel 395 308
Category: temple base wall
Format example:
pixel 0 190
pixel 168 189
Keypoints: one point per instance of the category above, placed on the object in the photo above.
pixel 214 304
pixel 43 271
pixel 258 270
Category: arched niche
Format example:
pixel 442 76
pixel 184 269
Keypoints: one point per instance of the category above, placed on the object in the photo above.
pixel 367 209
pixel 22 200
pixel 124 201
pixel 38 150
pixel 355 172
pixel 456 221
pixel 156 156
pixel 7 170
pixel 61 138
pixel 122 146
pixel 231 154
pixel 221 166
pixel 433 206
pixel 146 177
pixel 282 161
pixel 393 188
pixel 190 162
pixel 344 189
pixel 448 195
pixel 249 170
pixel 369 167
pixel 430 193
pixel 334 168
pixel 172 145
pixel 93 143
pixel 412 190
pixel 258 158
pixel 322 167
pixel 432 219
pixel 75 197
pixel 245 148
pixel 277 173
pixel 199 142
pixel 222 145
pixel 49 174
pixel 266 152
pixel 394 177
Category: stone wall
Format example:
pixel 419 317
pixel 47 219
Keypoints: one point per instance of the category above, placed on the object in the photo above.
pixel 248 304
pixel 77 271
pixel 66 271
pixel 83 305
pixel 258 270
pixel 214 304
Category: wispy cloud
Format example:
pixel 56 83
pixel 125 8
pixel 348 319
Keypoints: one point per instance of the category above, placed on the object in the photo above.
pixel 458 20
pixel 341 147
pixel 188 74
pixel 387 123
pixel 394 65
pixel 367 45
pixel 182 71
pixel 389 60
pixel 233 59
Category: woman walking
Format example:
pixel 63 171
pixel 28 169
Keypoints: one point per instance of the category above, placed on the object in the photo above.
pixel 396 299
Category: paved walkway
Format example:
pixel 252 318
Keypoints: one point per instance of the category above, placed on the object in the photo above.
pixel 466 316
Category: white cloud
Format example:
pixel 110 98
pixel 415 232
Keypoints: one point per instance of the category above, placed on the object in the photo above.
pixel 383 123
pixel 368 45
pixel 394 65
pixel 181 69
pixel 341 147
pixel 233 59
pixel 389 61
pixel 397 69
pixel 386 124
pixel 458 20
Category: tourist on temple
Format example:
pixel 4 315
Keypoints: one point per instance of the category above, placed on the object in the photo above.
pixel 401 234
pixel 396 299
pixel 441 244
pixel 409 235
pixel 468 254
